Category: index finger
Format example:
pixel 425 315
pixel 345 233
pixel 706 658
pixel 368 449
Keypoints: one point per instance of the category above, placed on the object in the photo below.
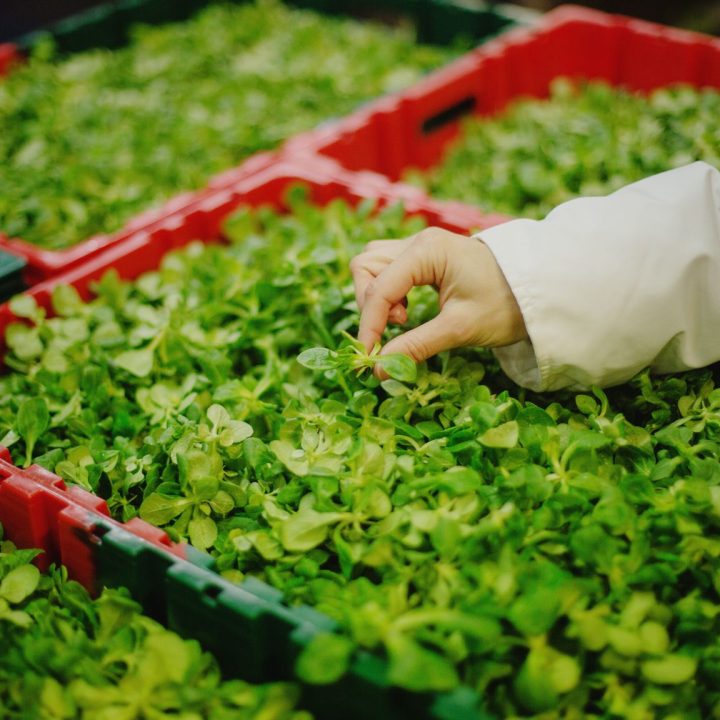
pixel 388 289
pixel 366 266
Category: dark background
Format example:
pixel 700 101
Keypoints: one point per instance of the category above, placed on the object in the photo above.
pixel 21 16
pixel 701 15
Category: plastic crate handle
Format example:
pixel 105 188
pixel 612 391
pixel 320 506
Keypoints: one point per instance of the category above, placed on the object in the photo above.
pixel 448 115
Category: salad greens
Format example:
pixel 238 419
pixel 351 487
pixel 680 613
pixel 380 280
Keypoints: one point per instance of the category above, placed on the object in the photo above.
pixel 90 140
pixel 67 656
pixel 557 553
pixel 587 140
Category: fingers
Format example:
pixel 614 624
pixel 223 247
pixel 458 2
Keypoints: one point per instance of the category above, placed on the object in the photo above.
pixel 367 266
pixel 478 306
pixel 364 275
pixel 398 313
pixel 438 334
pixel 370 263
pixel 419 264
pixel 364 271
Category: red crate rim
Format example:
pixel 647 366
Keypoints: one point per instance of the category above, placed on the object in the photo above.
pixel 326 174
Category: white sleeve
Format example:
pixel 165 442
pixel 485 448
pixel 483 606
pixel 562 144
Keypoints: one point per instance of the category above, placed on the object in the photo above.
pixel 608 286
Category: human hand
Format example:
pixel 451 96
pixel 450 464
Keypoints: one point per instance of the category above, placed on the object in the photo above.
pixel 477 306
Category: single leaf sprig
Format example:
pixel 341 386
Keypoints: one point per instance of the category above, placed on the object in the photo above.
pixel 351 356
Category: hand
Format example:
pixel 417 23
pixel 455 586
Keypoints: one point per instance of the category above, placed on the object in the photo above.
pixel 477 306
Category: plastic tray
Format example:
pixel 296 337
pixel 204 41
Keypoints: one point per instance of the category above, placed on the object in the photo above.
pixel 38 510
pixel 11 281
pixel 106 25
pixel 414 127
pixel 436 21
pixel 43 264
pixel 251 632
pixel 9 55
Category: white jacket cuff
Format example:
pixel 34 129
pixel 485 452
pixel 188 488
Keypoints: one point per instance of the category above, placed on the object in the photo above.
pixel 608 286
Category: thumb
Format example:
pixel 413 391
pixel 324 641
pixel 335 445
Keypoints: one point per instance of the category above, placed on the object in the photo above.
pixel 438 334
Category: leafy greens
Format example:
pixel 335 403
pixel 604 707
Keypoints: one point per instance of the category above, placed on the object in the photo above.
pixel 88 141
pixel 67 656
pixel 558 554
pixel 586 140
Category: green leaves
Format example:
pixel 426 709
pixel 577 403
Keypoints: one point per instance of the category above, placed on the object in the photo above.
pixel 19 583
pixel 25 306
pixel 413 667
pixel 588 139
pixel 58 643
pixel 159 510
pixel 24 341
pixel 502 436
pixel 397 366
pixel 324 659
pixel 226 430
pixel 32 420
pixel 202 532
pixel 317 359
pixel 548 552
pixel 137 362
pixel 306 529
pixel 558 555
pixel 669 669
pixel 80 138
pixel 351 356
pixel 535 612
pixel 544 676
pixel 66 301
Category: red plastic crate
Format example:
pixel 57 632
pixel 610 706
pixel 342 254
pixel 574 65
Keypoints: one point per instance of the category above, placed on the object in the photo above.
pixel 37 510
pixel 413 128
pixel 9 55
pixel 143 250
pixel 43 264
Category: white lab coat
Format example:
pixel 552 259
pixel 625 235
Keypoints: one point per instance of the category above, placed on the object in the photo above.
pixel 610 285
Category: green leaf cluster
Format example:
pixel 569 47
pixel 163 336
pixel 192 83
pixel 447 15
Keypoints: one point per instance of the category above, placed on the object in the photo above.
pixel 585 140
pixel 89 141
pixel 351 356
pixel 65 656
pixel 556 553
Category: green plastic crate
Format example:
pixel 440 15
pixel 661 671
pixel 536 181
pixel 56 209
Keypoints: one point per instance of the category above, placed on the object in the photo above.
pixel 247 633
pixel 439 22
pixel 11 280
pixel 125 560
pixel 443 21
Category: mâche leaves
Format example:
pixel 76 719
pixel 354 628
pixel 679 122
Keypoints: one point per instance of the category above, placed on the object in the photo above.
pixel 556 553
pixel 65 655
pixel 32 420
pixel 585 140
pixel 351 356
pixel 91 140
